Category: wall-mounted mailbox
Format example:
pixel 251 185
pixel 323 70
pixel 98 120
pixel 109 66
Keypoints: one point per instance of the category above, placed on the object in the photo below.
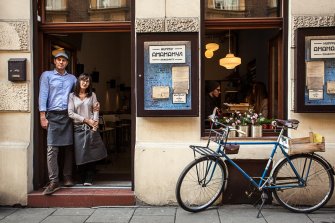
pixel 17 69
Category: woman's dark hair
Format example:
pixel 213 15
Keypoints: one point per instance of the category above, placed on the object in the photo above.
pixel 259 93
pixel 83 76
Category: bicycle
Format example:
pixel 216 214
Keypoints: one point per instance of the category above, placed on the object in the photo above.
pixel 301 183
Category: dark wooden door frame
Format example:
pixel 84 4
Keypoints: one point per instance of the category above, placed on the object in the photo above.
pixel 40 176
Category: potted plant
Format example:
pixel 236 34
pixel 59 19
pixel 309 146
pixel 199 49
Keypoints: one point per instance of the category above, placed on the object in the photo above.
pixel 243 121
pixel 256 127
pixel 230 121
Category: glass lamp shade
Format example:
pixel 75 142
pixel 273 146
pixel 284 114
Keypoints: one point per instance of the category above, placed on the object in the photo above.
pixel 212 46
pixel 209 54
pixel 230 61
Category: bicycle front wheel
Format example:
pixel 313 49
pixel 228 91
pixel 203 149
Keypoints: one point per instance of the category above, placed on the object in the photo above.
pixel 201 183
pixel 313 193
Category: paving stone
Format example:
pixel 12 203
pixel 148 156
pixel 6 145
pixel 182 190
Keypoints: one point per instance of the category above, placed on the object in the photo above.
pixel 112 215
pixel 28 215
pixel 208 216
pixel 65 219
pixel 153 219
pixel 161 211
pixel 4 211
pixel 74 211
pixel 239 213
pixel 281 215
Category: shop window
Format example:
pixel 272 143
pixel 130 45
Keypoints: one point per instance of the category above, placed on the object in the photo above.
pixel 255 51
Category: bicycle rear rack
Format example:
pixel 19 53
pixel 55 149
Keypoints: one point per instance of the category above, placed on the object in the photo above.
pixel 204 151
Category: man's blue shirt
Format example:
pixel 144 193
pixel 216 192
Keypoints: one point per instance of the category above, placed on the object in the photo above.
pixel 54 90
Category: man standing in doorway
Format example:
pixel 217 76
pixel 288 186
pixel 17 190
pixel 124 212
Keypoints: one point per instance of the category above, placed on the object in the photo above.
pixel 55 87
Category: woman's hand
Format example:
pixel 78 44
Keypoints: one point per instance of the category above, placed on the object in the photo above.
pixel 91 122
pixel 96 107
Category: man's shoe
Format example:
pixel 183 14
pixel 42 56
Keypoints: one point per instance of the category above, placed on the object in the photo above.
pixel 68 182
pixel 51 188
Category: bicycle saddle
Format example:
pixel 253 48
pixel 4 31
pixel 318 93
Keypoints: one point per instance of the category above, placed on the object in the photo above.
pixel 290 123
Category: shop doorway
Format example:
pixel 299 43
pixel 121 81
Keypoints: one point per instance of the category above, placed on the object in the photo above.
pixel 106 57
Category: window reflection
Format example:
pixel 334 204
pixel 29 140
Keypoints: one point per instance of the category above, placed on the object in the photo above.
pixel 56 5
pixel 241 8
pixel 105 4
pixel 86 10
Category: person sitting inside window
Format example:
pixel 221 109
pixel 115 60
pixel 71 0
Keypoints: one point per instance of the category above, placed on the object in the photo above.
pixel 212 98
pixel 259 98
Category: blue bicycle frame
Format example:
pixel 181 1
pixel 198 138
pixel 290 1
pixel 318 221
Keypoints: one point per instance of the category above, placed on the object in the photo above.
pixel 261 184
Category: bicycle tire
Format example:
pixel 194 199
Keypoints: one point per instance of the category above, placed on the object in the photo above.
pixel 195 195
pixel 318 187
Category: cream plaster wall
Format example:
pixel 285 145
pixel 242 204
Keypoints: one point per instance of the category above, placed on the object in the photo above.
pixel 15 137
pixel 182 8
pixel 167 129
pixel 323 123
pixel 150 9
pixel 15 10
pixel 167 8
pixel 312 7
pixel 158 166
pixel 161 150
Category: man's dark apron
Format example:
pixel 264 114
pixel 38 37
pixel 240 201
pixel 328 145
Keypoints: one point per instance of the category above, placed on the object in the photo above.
pixel 60 128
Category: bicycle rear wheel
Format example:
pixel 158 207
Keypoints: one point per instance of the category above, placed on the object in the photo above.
pixel 306 198
pixel 201 183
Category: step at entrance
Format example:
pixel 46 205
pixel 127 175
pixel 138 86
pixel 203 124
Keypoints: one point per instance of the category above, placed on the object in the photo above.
pixel 83 197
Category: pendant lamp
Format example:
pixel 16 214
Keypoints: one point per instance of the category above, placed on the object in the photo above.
pixel 209 54
pixel 210 48
pixel 230 61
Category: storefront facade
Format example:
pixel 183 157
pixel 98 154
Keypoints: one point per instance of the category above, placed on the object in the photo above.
pixel 159 140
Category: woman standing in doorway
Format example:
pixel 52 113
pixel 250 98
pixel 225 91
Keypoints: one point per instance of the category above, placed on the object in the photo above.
pixel 88 145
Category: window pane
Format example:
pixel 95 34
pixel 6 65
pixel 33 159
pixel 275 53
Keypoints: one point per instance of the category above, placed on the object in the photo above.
pixel 216 9
pixel 87 10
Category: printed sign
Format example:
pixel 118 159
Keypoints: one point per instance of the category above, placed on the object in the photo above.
pixel 323 48
pixel 179 98
pixel 167 54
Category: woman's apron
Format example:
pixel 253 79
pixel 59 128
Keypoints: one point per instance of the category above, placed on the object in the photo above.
pixel 88 145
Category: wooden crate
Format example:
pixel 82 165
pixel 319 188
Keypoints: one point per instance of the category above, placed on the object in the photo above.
pixel 242 107
pixel 305 145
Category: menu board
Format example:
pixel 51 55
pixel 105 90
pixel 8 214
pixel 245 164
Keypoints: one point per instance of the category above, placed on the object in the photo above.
pixel 167 75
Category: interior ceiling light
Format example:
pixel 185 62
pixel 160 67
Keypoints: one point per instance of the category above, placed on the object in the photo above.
pixel 209 54
pixel 230 61
pixel 212 46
